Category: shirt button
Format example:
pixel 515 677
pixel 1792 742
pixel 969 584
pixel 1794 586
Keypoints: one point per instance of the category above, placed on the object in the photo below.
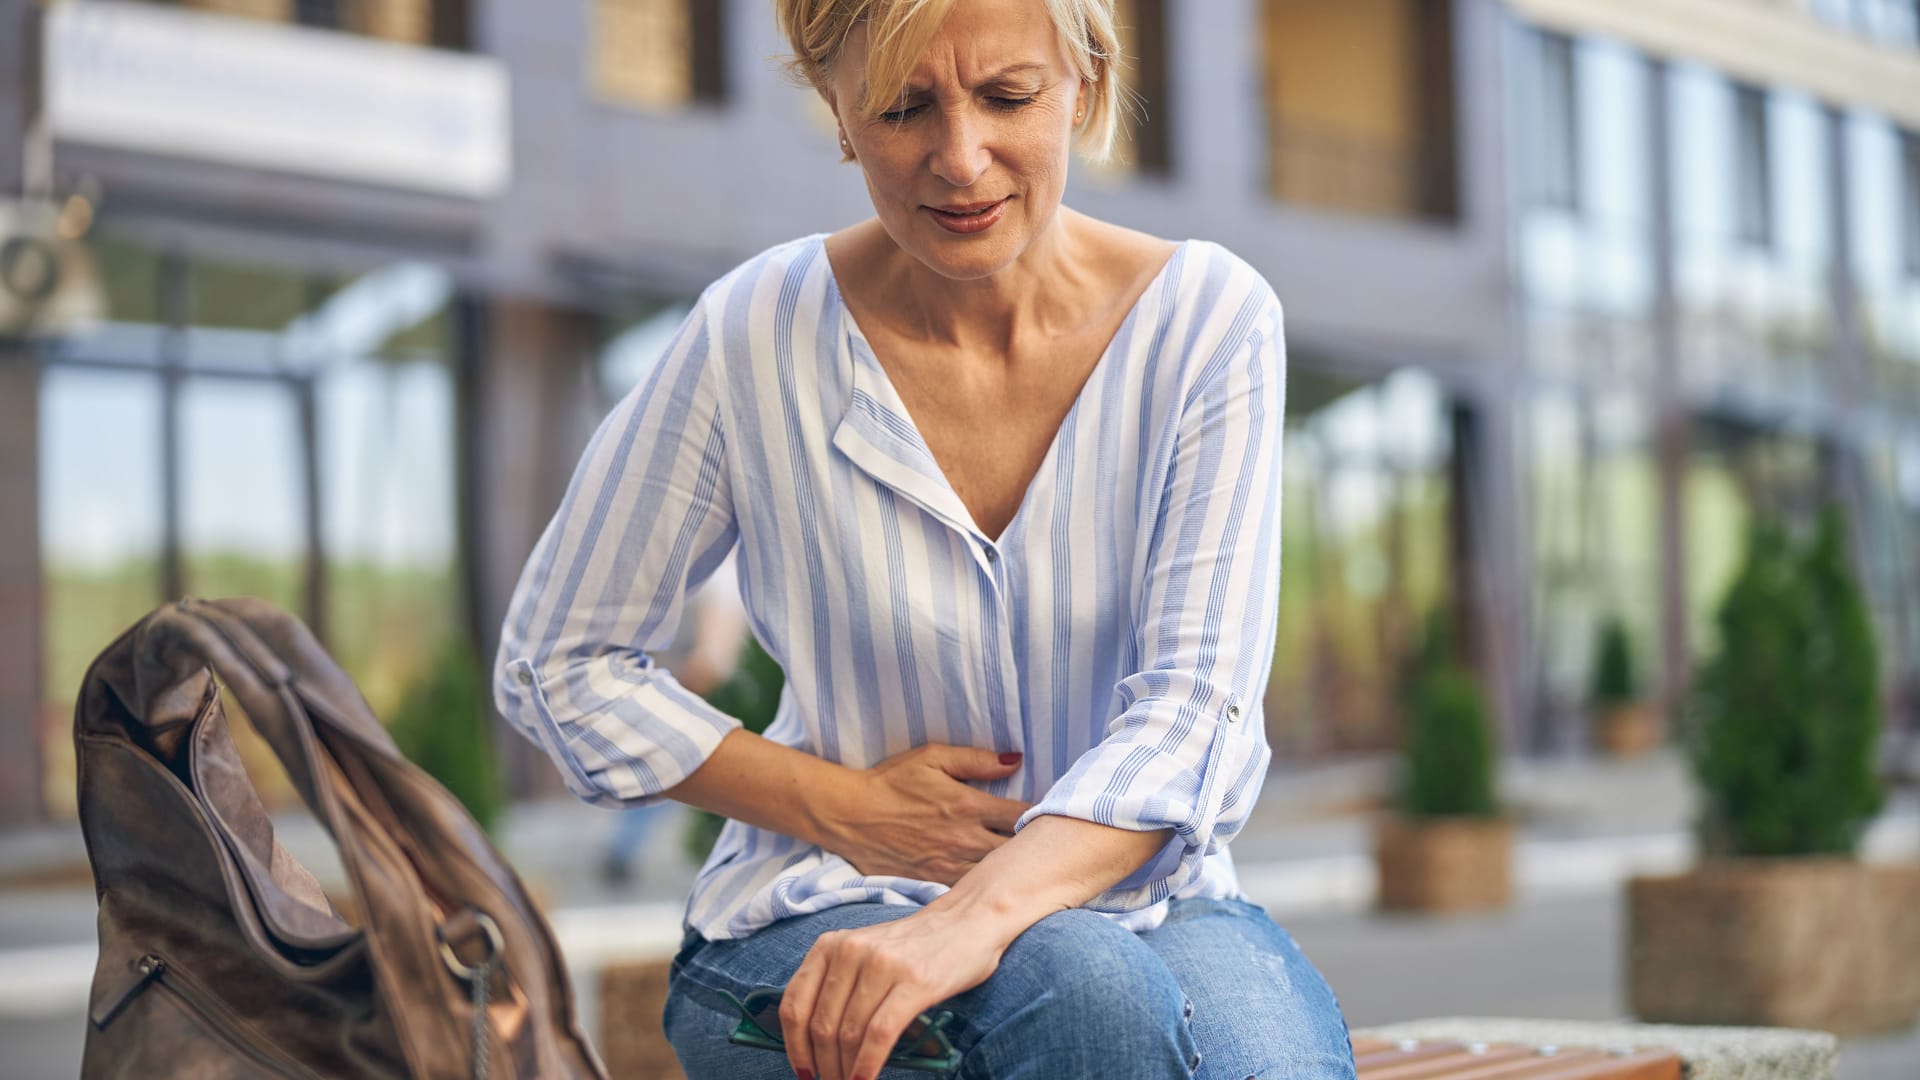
pixel 992 555
pixel 1233 714
pixel 525 677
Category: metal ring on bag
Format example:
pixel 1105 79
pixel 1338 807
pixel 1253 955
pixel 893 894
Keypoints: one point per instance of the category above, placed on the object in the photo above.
pixel 495 946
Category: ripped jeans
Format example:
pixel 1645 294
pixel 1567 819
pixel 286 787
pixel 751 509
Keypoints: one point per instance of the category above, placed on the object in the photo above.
pixel 1219 992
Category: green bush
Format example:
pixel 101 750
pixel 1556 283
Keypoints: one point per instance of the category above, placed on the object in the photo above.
pixel 1447 754
pixel 445 725
pixel 1784 722
pixel 751 696
pixel 1615 682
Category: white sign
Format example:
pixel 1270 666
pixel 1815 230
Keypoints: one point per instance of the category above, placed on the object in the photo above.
pixel 267 95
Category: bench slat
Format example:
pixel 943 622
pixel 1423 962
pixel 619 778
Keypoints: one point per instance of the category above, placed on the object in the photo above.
pixel 1379 1059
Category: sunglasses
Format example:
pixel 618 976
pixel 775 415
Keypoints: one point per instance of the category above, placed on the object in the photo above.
pixel 924 1046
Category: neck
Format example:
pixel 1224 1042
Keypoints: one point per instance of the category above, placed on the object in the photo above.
pixel 1028 297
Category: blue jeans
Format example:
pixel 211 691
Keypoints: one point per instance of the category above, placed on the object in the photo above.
pixel 1219 992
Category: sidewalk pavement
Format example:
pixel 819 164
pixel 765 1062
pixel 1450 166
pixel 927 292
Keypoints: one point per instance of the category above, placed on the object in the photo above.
pixel 1585 826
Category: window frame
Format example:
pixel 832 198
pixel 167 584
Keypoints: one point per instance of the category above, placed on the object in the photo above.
pixel 1753 173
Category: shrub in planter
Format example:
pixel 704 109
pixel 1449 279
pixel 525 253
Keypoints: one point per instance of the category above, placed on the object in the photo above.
pixel 1785 721
pixel 1781 924
pixel 445 725
pixel 752 696
pixel 1623 723
pixel 1445 846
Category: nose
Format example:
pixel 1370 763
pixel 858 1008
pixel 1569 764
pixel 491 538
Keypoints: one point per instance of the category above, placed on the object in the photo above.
pixel 960 156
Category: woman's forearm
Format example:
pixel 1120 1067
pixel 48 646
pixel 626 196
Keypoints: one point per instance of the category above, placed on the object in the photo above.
pixel 1054 864
pixel 756 780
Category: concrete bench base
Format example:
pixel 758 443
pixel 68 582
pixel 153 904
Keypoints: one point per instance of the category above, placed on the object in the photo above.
pixel 1710 1053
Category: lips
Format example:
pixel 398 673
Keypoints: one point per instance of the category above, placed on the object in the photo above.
pixel 967 209
pixel 968 217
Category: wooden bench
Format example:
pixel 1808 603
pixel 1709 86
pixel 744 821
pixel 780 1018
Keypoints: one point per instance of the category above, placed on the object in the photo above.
pixel 1414 1059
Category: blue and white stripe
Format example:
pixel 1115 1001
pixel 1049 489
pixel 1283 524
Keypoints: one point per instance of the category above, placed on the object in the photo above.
pixel 1118 633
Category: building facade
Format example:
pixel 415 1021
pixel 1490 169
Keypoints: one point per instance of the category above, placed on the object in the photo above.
pixel 1572 289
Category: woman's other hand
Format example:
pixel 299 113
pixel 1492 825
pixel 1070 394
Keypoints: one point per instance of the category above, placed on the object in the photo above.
pixel 857 990
pixel 914 815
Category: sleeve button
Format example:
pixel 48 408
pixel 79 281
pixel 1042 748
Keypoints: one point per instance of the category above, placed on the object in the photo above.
pixel 525 676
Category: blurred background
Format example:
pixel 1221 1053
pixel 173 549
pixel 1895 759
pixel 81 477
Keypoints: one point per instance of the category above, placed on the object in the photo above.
pixel 319 300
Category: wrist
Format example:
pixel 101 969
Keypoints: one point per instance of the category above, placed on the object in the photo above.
pixel 830 793
pixel 997 907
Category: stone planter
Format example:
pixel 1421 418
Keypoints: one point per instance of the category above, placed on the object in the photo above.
pixel 1624 731
pixel 1443 865
pixel 1826 943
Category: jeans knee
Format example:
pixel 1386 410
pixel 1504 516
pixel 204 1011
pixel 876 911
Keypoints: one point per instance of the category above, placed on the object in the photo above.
pixel 1093 1001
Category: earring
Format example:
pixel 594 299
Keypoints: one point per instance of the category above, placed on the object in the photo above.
pixel 845 146
pixel 1078 115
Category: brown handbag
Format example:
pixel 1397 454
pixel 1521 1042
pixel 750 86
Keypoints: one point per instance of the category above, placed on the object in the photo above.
pixel 220 956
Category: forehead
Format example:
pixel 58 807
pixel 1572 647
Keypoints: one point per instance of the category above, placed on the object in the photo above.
pixel 983 41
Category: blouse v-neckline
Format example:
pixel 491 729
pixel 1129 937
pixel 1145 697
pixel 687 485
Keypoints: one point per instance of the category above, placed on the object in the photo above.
pixel 878 416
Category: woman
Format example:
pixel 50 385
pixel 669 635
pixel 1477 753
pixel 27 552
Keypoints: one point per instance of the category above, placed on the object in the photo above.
pixel 1004 482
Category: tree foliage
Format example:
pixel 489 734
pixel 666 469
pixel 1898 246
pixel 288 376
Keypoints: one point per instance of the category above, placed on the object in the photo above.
pixel 1784 724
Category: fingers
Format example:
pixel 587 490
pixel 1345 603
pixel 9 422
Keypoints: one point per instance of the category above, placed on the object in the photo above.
pixel 972 762
pixel 870 990
pixel 881 1031
pixel 824 1029
pixel 1001 815
pixel 796 1012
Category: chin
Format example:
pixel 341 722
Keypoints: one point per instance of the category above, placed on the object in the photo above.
pixel 967 258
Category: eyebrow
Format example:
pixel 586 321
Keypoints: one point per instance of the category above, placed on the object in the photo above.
pixel 1029 67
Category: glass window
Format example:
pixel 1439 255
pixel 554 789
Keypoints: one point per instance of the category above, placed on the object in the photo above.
pixel 657 53
pixel 373 353
pixel 1753 175
pixel 1556 157
pixel 439 23
pixel 100 536
pixel 387 473
pixel 1360 106
pixel 1365 554
pixel 242 491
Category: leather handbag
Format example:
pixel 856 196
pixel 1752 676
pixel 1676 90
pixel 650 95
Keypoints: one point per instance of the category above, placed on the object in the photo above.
pixel 220 956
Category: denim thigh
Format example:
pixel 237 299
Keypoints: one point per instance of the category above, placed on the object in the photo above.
pixel 1075 995
pixel 1260 1007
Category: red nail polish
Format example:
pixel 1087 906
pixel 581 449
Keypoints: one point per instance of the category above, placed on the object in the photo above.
pixel 805 1075
pixel 1011 758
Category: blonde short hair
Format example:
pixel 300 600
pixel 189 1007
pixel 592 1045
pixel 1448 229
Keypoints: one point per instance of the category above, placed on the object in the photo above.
pixel 901 29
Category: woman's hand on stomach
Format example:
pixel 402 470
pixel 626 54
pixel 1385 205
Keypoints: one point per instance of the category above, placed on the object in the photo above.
pixel 914 815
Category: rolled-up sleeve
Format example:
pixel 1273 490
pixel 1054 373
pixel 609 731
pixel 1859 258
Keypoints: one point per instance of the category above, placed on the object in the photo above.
pixel 1187 750
pixel 647 516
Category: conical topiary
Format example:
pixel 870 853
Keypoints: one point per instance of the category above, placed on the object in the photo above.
pixel 1447 765
pixel 1615 682
pixel 1785 719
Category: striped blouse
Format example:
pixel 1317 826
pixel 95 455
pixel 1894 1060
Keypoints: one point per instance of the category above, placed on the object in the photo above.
pixel 1118 633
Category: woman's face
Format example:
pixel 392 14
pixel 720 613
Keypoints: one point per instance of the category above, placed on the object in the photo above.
pixel 968 166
